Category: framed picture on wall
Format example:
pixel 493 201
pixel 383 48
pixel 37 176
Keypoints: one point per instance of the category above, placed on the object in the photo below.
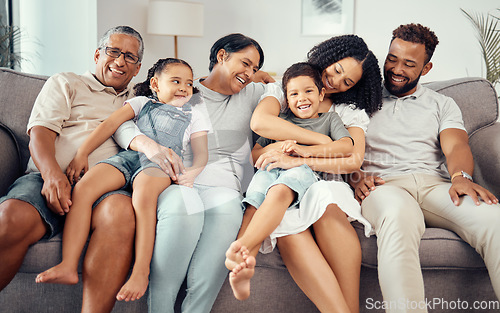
pixel 327 17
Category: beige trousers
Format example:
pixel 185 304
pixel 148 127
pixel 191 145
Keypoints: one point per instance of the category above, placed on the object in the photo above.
pixel 399 211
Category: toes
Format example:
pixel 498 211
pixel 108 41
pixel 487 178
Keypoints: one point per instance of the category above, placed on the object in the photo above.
pixel 250 262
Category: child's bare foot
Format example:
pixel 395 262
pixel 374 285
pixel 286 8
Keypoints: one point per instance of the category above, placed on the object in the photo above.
pixel 134 288
pixel 59 274
pixel 235 255
pixel 240 276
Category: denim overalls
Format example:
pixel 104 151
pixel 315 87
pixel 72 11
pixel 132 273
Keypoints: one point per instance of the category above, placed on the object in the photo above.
pixel 165 124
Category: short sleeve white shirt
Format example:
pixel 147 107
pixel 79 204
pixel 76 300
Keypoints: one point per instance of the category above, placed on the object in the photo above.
pixel 403 137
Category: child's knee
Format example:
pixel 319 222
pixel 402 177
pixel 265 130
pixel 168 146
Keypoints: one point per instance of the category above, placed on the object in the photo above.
pixel 282 191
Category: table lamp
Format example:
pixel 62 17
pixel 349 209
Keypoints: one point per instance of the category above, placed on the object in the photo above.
pixel 175 18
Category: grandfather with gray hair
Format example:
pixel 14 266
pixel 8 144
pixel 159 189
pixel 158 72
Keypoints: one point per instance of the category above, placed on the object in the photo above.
pixel 68 108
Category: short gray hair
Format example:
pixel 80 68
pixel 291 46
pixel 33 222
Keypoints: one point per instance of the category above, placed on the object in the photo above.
pixel 126 30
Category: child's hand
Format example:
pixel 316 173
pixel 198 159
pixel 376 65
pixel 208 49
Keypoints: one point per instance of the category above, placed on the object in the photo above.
pixel 291 147
pixel 78 166
pixel 187 178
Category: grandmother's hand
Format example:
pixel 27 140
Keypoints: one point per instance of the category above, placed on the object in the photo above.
pixel 165 157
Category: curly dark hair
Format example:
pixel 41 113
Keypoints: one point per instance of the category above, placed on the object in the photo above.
pixel 144 88
pixel 367 93
pixel 417 33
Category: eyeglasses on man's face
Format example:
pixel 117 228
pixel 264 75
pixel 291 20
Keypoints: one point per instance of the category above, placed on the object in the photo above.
pixel 116 53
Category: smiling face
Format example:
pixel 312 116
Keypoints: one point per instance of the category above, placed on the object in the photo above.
pixel 174 85
pixel 303 97
pixel 403 66
pixel 342 75
pixel 237 69
pixel 113 72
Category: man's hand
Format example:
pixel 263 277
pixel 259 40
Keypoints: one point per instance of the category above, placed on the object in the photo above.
pixel 57 191
pixel 462 186
pixel 366 184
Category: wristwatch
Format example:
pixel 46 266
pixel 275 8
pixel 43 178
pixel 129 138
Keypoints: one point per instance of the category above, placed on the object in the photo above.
pixel 463 174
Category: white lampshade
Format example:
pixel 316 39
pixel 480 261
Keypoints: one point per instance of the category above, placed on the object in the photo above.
pixel 175 18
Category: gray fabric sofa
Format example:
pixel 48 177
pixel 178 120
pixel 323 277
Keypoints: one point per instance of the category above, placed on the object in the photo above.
pixel 452 270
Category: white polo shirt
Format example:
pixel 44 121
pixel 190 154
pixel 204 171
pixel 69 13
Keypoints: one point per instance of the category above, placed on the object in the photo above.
pixel 403 137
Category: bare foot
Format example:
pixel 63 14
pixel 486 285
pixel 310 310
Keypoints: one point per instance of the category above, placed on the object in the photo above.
pixel 59 274
pixel 134 288
pixel 240 276
pixel 235 255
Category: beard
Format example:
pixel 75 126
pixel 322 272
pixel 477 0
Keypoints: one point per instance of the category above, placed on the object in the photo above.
pixel 399 90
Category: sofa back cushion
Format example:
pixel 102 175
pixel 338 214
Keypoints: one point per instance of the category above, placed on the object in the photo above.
pixel 18 92
pixel 10 167
pixel 476 97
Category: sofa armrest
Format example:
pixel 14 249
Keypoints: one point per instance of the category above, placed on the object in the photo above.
pixel 485 146
pixel 10 163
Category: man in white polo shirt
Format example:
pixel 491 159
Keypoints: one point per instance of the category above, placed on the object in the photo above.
pixel 404 184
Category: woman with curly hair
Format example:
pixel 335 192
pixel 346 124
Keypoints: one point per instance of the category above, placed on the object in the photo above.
pixel 327 266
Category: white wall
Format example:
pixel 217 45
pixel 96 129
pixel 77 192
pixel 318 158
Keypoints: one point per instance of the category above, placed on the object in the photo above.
pixel 457 54
pixel 275 24
pixel 57 35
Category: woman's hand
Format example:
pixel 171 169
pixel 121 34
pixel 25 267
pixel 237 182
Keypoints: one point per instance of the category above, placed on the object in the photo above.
pixel 166 158
pixel 77 168
pixel 277 159
pixel 364 185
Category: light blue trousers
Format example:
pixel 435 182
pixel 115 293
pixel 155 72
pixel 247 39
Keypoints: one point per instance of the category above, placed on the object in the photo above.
pixel 195 228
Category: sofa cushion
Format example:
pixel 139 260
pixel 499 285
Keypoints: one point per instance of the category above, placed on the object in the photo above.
pixel 45 254
pixel 10 166
pixel 485 144
pixel 439 249
pixel 18 92
pixel 466 92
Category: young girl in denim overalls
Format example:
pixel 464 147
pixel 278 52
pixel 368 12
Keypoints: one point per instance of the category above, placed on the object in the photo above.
pixel 165 110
